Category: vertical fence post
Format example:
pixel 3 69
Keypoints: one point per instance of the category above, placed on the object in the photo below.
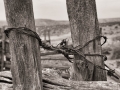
pixel 84 27
pixel 49 36
pixel 3 49
pixel 25 50
pixel 45 35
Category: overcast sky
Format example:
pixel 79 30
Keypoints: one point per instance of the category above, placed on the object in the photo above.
pixel 56 9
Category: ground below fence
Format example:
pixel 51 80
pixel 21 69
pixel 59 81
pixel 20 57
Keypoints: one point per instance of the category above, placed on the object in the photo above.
pixel 52 81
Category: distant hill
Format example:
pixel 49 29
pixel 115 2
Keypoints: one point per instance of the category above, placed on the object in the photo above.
pixel 2 23
pixel 42 22
pixel 109 21
pixel 48 22
pixel 62 27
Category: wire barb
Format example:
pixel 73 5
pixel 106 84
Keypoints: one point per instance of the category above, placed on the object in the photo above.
pixel 63 47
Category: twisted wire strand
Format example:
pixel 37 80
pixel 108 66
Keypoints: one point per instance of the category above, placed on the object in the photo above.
pixel 63 49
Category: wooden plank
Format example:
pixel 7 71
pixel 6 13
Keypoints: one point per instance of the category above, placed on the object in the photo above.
pixel 61 59
pixel 55 66
pixel 49 53
pixel 8 65
pixel 52 81
pixel 52 52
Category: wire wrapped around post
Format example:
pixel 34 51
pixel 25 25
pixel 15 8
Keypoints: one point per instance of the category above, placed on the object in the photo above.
pixel 63 48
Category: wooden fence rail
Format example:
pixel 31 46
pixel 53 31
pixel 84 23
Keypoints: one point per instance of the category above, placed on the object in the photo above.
pixel 49 53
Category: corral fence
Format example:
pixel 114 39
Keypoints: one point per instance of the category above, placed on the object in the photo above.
pixel 63 49
pixel 5 50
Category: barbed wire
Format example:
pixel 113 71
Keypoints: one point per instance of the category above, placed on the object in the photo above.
pixel 63 48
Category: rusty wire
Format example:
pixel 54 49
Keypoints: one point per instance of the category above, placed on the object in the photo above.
pixel 63 49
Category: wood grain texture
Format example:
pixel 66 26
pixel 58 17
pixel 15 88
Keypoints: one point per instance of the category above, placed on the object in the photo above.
pixel 84 27
pixel 3 49
pixel 25 50
pixel 52 81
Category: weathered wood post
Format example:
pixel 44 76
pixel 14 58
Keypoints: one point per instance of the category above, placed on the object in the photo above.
pixel 3 48
pixel 84 27
pixel 49 36
pixel 45 35
pixel 25 50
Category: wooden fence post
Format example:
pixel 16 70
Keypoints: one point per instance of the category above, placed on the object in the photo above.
pixel 45 35
pixel 49 36
pixel 84 27
pixel 3 48
pixel 25 50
